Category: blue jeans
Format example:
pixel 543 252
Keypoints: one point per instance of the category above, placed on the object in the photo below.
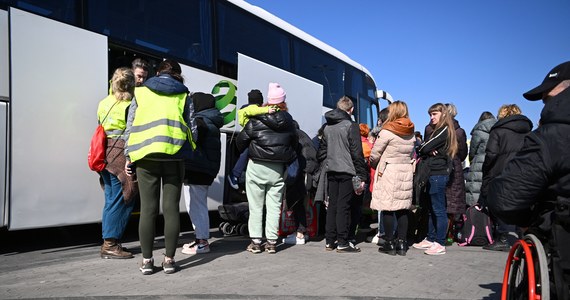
pixel 437 221
pixel 241 164
pixel 115 212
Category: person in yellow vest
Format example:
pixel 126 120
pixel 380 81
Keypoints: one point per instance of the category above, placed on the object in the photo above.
pixel 119 188
pixel 160 130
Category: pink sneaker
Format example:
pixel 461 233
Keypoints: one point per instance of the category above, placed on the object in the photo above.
pixel 423 245
pixel 436 249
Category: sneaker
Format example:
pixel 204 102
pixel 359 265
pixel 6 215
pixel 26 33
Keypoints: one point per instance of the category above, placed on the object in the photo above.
pixel 375 239
pixel 498 245
pixel 271 248
pixel 436 249
pixel 169 265
pixel 147 266
pixel 330 247
pixel 196 248
pixel 350 248
pixel 292 239
pixel 233 182
pixel 254 248
pixel 423 245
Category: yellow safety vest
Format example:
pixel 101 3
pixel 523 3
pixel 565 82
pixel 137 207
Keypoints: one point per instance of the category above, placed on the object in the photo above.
pixel 159 126
pixel 115 122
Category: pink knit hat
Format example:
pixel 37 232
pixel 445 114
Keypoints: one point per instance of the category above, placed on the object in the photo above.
pixel 276 93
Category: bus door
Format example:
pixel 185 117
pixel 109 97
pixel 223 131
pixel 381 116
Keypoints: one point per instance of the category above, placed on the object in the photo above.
pixel 58 75
pixel 4 97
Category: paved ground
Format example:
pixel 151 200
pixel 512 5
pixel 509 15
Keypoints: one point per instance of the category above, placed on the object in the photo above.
pixel 65 263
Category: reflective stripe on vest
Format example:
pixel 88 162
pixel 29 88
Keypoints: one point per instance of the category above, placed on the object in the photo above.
pixel 115 122
pixel 159 126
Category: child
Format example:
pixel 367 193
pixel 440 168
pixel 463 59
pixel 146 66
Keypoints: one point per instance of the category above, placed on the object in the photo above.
pixel 252 108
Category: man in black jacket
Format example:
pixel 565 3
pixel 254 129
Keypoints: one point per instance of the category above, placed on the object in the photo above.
pixel 533 191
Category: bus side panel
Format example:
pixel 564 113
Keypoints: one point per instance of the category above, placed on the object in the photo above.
pixel 4 97
pixel 4 65
pixel 59 74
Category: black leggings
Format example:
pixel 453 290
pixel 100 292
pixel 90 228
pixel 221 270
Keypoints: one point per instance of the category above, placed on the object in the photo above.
pixel 388 220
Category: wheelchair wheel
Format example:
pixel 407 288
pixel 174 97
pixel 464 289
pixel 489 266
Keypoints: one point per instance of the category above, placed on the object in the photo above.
pixel 526 272
pixel 540 266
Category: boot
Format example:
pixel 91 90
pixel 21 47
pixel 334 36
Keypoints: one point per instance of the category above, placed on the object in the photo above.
pixel 112 249
pixel 388 248
pixel 401 247
pixel 501 244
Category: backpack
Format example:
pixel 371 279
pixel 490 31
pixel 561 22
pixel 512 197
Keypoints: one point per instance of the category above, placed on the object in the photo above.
pixel 97 150
pixel 293 171
pixel 476 230
pixel 96 157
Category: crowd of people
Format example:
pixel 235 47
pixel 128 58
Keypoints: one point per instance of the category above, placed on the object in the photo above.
pixel 164 141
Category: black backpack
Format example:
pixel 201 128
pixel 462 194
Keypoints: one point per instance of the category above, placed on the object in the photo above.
pixel 477 228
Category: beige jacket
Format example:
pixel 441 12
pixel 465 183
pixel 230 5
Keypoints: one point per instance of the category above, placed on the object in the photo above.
pixel 394 171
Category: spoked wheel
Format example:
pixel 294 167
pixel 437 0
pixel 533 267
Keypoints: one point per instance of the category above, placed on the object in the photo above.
pixel 526 272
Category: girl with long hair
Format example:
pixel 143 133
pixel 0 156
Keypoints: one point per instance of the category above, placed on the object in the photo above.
pixel 437 152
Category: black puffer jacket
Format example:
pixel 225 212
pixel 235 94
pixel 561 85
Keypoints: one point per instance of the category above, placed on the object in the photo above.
pixel 505 139
pixel 269 137
pixel 203 164
pixel 525 192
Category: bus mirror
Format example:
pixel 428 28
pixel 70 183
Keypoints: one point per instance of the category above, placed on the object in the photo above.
pixel 381 94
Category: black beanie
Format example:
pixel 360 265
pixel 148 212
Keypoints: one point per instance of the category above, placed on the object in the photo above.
pixel 255 97
pixel 203 101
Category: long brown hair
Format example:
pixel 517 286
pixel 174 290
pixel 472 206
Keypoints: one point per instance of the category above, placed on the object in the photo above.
pixel 396 110
pixel 446 120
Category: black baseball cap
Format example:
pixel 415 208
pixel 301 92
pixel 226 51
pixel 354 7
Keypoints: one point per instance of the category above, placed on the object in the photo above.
pixel 552 79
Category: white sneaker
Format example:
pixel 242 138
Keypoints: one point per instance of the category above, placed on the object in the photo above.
pixel 196 248
pixel 423 245
pixel 375 239
pixel 292 239
pixel 436 249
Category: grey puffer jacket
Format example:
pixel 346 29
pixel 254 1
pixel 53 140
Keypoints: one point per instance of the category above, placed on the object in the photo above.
pixel 474 179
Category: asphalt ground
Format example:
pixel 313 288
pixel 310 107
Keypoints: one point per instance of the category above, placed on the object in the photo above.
pixel 64 263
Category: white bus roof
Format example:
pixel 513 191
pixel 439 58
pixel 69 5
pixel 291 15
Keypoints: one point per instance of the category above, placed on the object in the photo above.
pixel 260 12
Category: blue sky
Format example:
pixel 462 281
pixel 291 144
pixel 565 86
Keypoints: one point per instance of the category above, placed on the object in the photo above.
pixel 476 54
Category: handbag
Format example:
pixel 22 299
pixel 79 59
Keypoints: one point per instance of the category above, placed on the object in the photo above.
pixel 96 157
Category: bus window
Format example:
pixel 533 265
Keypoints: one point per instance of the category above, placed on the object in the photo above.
pixel 189 39
pixel 65 11
pixel 320 67
pixel 249 35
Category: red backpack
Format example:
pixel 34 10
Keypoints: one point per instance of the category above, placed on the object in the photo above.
pixel 98 148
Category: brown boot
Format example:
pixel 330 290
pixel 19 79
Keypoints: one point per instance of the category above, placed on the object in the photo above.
pixel 112 249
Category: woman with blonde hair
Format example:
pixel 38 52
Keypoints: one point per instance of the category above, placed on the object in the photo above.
pixel 119 188
pixel 392 156
pixel 505 139
pixel 437 153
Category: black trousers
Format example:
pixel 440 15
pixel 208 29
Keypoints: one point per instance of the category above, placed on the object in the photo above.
pixel 341 195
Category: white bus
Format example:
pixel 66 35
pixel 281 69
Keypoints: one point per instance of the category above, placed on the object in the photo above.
pixel 56 57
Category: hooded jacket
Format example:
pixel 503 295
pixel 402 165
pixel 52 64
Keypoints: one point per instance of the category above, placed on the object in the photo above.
pixel 269 137
pixel 539 174
pixel 474 179
pixel 392 154
pixel 505 139
pixel 164 84
pixel 341 146
pixel 204 163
